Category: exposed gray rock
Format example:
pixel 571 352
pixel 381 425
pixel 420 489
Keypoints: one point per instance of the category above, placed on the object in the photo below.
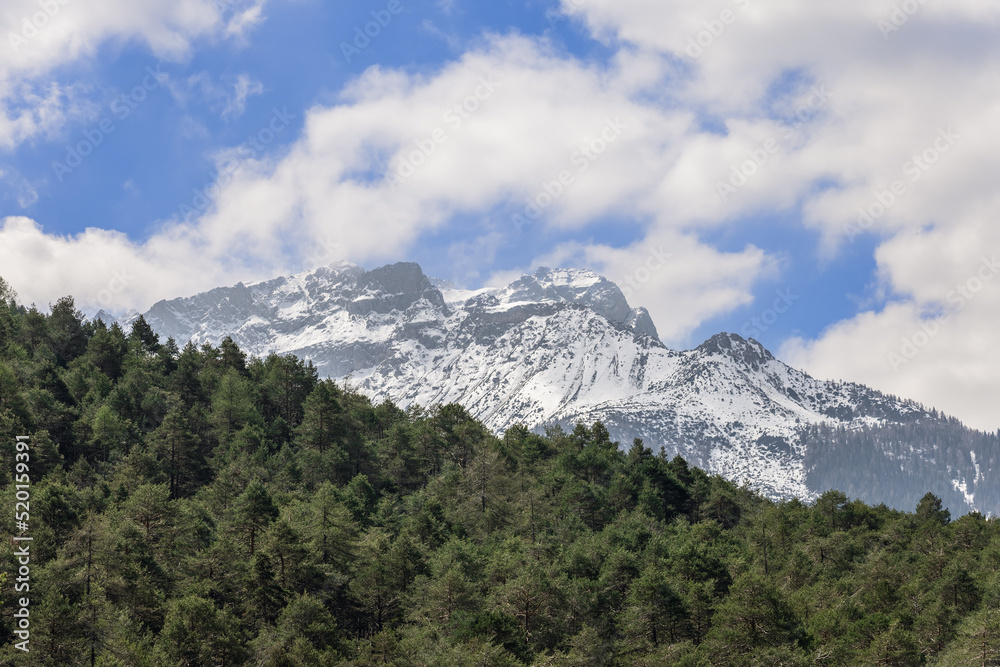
pixel 555 347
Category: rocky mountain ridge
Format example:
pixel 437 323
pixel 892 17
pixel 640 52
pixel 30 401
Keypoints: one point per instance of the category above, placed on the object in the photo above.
pixel 564 345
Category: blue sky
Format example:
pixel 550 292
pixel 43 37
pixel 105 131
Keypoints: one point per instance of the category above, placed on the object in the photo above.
pixel 316 147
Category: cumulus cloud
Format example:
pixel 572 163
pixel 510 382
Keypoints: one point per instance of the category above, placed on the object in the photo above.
pixel 102 268
pixel 905 149
pixel 680 280
pixel 936 341
pixel 513 129
pixel 41 37
pixel 861 120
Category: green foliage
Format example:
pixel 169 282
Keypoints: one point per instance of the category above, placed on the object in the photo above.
pixel 254 511
pixel 199 507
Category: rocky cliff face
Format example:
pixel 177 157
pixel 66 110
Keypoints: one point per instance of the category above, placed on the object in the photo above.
pixel 556 347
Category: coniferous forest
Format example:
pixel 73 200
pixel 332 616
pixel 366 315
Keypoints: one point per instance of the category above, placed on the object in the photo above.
pixel 198 507
pixel 889 468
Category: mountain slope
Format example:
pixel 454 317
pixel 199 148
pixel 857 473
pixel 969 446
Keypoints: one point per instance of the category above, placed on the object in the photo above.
pixel 562 346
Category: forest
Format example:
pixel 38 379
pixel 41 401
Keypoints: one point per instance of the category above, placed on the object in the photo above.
pixel 899 463
pixel 198 507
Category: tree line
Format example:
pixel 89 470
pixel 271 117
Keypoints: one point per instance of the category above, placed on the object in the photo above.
pixel 196 506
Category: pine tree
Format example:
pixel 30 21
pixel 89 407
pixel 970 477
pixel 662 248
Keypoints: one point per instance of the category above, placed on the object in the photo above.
pixel 287 552
pixel 110 435
pixel 331 530
pixel 66 330
pixel 978 641
pixel 930 510
pixel 195 632
pixel 107 348
pixel 287 382
pixel 232 357
pixel 254 512
pixel 7 293
pixel 178 452
pixel 142 337
pixel 150 507
pixel 655 610
pixel 265 599
pixel 233 404
pixel 324 424
pixel 754 615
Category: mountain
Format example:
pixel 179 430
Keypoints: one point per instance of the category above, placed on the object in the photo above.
pixel 562 346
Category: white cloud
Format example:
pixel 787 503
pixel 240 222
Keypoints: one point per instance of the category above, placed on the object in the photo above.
pixel 227 98
pixel 486 135
pixel 245 18
pixel 29 110
pixel 666 274
pixel 897 89
pixel 937 342
pixel 38 38
pixel 21 191
pixel 236 103
pixel 100 268
pixel 888 97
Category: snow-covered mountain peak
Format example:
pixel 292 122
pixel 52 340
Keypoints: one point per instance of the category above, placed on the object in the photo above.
pixel 750 353
pixel 556 347
pixel 399 278
pixel 580 287
pixel 568 286
pixel 567 279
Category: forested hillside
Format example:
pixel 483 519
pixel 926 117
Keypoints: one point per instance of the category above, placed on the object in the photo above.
pixel 198 507
pixel 899 463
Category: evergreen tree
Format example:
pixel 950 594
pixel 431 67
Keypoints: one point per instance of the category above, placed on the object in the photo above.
pixel 197 633
pixel 655 610
pixel 254 512
pixel 67 331
pixel 265 599
pixel 755 615
pixel 203 507
pixel 233 404
pixel 324 423
pixel 178 452
pixel 7 293
pixel 978 641
pixel 142 337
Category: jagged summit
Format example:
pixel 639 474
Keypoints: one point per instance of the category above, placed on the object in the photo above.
pixel 575 286
pixel 399 278
pixel 734 346
pixel 557 347
pixel 396 287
